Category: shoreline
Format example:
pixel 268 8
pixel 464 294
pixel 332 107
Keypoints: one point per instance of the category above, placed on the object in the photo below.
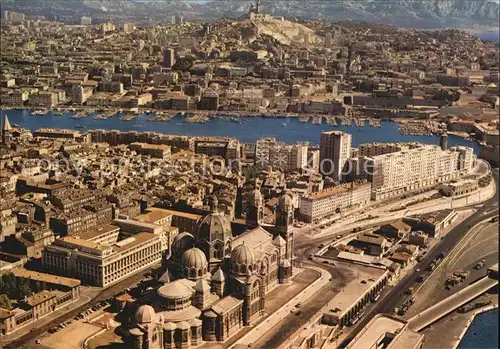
pixel 475 313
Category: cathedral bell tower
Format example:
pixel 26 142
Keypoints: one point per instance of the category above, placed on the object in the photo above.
pixel 6 131
pixel 284 223
pixel 254 209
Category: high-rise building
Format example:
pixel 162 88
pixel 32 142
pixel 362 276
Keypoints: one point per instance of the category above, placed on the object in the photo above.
pixel 107 27
pixel 86 21
pixel 169 57
pixel 17 18
pixel 177 20
pixel 335 149
pixel 128 28
pixel 285 157
pixel 443 141
pixel 328 40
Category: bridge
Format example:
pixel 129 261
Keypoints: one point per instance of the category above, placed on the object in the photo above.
pixel 446 306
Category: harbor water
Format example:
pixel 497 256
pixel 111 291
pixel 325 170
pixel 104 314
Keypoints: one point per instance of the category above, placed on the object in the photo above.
pixel 288 130
pixel 482 333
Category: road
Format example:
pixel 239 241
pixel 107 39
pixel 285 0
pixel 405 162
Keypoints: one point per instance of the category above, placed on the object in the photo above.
pixel 396 296
pixel 481 244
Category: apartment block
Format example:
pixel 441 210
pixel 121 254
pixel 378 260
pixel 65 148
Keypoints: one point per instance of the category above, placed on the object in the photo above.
pixel 333 200
pixel 418 167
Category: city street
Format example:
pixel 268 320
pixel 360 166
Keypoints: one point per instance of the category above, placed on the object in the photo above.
pixel 482 244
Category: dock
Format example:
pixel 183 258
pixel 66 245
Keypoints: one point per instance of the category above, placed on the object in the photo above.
pixel 82 114
pixel 105 116
pixel 330 121
pixel 199 118
pixel 304 119
pixel 162 117
pixel 317 120
pixel 128 117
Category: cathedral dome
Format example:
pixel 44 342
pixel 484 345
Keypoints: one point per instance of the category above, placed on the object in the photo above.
pixel 181 243
pixel 242 255
pixel 194 258
pixel 145 314
pixel 214 226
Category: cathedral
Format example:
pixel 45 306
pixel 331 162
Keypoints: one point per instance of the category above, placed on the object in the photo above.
pixel 214 282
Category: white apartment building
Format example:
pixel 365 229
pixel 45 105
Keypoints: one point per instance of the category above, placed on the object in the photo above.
pixel 128 28
pixel 86 21
pixel 285 157
pixel 379 148
pixel 414 168
pixel 332 200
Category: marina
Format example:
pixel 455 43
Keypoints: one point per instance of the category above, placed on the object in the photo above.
pixel 252 128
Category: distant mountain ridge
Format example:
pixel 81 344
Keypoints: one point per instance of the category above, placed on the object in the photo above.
pixel 404 13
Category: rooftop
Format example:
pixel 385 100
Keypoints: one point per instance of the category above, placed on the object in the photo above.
pixel 48 278
pixel 192 216
pixel 98 231
pixel 137 240
pixel 153 216
pixel 377 328
pixel 39 298
pixel 355 288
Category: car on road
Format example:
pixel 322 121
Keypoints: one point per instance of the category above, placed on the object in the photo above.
pixel 321 245
pixel 479 265
pixel 417 270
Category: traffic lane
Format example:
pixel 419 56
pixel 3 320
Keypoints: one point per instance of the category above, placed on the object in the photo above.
pixel 485 243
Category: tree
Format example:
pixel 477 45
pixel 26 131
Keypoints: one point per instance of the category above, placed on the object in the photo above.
pixel 5 301
pixel 24 289
pixel 184 63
